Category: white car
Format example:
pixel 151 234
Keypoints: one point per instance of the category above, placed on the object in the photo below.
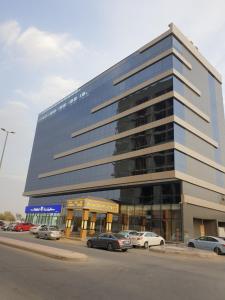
pixel 212 243
pixel 35 229
pixel 49 233
pixel 147 239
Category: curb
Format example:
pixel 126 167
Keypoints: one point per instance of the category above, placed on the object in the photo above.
pixel 183 251
pixel 55 253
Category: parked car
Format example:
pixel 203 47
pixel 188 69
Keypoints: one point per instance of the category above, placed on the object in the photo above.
pixel 23 227
pixel 4 227
pixel 12 226
pixel 110 241
pixel 35 228
pixel 2 224
pixel 208 243
pixel 147 239
pixel 49 233
pixel 9 226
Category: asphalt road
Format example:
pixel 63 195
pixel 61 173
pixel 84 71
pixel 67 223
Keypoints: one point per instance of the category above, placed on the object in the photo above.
pixel 138 274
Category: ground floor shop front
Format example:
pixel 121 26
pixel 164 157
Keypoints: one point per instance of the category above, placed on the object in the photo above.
pixel 161 208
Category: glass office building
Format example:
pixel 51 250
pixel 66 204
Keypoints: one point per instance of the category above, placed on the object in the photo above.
pixel 147 134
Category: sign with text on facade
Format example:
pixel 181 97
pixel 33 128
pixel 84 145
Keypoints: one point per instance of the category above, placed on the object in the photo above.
pixel 94 205
pixel 43 209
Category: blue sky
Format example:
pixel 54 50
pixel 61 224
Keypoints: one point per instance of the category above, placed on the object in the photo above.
pixel 49 48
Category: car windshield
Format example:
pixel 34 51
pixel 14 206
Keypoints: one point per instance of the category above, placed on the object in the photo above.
pixel 53 228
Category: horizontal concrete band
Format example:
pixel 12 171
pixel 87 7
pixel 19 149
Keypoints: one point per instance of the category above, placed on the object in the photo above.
pixel 110 159
pixel 137 130
pixel 195 131
pixel 155 41
pixel 203 203
pixel 137 153
pixel 142 85
pixel 152 61
pixel 126 181
pixel 188 45
pixel 139 107
pixel 199 182
pixel 123 114
pixel 118 136
pixel 199 157
pixel 191 106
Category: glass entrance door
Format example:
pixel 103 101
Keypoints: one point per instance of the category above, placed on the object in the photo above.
pixel 100 225
pixel 77 221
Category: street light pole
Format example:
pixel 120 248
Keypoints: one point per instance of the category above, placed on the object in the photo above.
pixel 6 137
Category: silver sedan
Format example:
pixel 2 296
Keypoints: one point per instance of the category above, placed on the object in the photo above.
pixel 208 243
pixel 49 233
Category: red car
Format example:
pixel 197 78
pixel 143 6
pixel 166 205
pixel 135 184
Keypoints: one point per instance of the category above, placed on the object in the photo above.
pixel 23 227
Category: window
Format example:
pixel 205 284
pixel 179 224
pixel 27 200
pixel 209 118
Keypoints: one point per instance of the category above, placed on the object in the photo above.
pixel 210 239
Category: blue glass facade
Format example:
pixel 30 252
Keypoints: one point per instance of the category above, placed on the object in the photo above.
pixel 142 129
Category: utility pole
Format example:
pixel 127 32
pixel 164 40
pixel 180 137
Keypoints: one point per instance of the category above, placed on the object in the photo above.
pixel 6 137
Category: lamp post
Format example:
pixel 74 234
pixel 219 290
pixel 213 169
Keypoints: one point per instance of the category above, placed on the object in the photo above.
pixel 6 137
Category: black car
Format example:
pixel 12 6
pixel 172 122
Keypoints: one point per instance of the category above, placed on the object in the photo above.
pixel 110 241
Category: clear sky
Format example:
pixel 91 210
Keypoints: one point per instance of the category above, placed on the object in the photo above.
pixel 48 48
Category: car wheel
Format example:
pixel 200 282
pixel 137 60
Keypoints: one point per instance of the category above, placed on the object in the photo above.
pixel 21 230
pixel 146 245
pixel 110 247
pixel 162 243
pixel 45 237
pixel 124 250
pixel 89 244
pixel 57 239
pixel 191 245
pixel 217 251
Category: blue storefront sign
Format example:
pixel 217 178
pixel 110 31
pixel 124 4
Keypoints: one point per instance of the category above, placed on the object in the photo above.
pixel 43 209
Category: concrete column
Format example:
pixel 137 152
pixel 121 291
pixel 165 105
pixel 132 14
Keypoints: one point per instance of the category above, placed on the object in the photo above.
pixel 92 223
pixel 85 216
pixel 109 218
pixel 69 219
pixel 143 223
pixel 167 222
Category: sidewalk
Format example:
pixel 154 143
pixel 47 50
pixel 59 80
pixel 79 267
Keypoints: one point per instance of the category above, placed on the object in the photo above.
pixel 181 249
pixel 52 252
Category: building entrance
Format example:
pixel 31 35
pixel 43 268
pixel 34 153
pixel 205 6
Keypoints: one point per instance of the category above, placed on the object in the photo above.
pixel 93 226
pixel 100 225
